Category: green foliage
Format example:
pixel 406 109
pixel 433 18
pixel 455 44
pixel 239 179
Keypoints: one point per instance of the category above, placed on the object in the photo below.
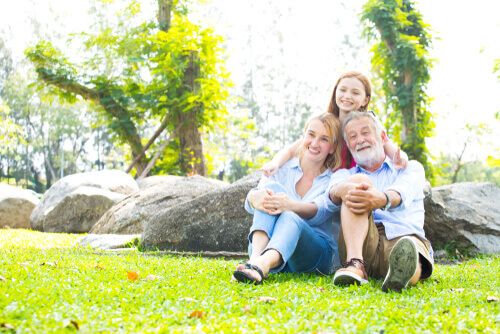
pixel 472 171
pixel 11 134
pixel 50 288
pixel 496 68
pixel 401 62
pixel 48 124
pixel 232 150
pixel 135 74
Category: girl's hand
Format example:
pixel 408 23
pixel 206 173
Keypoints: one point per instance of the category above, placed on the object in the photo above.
pixel 269 168
pixel 277 204
pixel 400 159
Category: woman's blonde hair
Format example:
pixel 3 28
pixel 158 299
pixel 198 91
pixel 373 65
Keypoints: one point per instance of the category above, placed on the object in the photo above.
pixel 332 126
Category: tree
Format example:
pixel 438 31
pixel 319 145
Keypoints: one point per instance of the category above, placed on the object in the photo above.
pixel 494 161
pixel 146 77
pixel 55 133
pixel 11 135
pixel 472 133
pixel 401 60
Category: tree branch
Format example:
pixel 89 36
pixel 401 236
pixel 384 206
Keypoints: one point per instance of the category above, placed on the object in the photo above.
pixel 160 150
pixel 162 127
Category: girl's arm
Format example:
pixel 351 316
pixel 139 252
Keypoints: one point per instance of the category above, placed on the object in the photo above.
pixel 397 156
pixel 280 203
pixel 287 153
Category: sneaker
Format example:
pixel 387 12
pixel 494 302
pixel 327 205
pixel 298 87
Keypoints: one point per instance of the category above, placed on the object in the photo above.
pixel 352 273
pixel 403 263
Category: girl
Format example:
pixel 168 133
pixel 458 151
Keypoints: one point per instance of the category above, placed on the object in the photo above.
pixel 351 92
pixel 288 233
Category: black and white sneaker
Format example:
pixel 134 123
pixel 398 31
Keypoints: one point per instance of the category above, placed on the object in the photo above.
pixel 403 263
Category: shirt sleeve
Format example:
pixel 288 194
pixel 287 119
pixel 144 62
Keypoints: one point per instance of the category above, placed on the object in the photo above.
pixel 409 184
pixel 324 211
pixel 339 176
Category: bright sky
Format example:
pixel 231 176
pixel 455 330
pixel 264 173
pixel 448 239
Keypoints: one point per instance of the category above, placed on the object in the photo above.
pixel 463 85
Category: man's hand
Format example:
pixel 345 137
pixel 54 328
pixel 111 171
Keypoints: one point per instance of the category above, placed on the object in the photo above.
pixel 400 159
pixel 257 197
pixel 277 204
pixel 364 198
pixel 269 168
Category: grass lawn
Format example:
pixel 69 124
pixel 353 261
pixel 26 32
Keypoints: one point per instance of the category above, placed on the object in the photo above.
pixel 46 285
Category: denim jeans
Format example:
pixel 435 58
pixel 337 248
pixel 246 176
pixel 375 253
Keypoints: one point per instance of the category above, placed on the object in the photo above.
pixel 299 245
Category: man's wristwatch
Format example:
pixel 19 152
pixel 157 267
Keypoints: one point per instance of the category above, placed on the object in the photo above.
pixel 388 205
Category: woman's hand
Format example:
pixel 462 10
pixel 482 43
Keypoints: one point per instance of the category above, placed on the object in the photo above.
pixel 269 168
pixel 277 204
pixel 400 159
pixel 257 197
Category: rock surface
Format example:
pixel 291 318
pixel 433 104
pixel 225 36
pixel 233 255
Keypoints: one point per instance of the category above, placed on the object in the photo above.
pixel 158 179
pixel 467 213
pixel 108 241
pixel 131 215
pixel 215 221
pixel 16 206
pixel 76 202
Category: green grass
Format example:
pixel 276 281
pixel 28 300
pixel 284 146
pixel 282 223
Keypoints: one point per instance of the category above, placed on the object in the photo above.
pixel 89 289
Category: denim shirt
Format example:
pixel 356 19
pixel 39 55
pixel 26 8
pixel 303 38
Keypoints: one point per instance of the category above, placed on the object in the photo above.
pixel 404 219
pixel 288 175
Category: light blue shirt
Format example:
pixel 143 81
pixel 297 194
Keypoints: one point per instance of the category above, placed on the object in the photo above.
pixel 404 219
pixel 288 175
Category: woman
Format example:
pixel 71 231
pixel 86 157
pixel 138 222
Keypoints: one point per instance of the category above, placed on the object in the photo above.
pixel 288 233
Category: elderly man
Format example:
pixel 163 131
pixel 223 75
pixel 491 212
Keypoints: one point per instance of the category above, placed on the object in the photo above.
pixel 382 212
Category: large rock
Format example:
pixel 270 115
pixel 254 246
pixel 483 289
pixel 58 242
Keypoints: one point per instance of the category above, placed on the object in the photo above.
pixel 158 179
pixel 215 221
pixel 16 206
pixel 467 213
pixel 131 215
pixel 76 202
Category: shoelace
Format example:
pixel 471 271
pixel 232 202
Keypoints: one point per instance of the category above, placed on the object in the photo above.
pixel 353 263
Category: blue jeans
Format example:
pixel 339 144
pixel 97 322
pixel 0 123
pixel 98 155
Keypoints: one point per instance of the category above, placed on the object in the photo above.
pixel 299 245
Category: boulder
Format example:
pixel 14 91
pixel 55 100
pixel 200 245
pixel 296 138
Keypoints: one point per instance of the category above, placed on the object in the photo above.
pixel 466 213
pixel 131 215
pixel 157 179
pixel 216 221
pixel 108 241
pixel 76 202
pixel 16 206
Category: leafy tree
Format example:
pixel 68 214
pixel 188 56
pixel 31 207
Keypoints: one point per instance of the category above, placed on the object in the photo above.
pixel 401 60
pixel 55 133
pixel 166 74
pixel 10 134
pixel 472 134
pixel 494 161
pixel 472 171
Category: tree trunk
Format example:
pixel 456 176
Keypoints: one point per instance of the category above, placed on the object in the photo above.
pixel 191 145
pixel 164 10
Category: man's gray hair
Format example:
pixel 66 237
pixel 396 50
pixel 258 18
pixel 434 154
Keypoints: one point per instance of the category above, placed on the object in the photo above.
pixel 358 114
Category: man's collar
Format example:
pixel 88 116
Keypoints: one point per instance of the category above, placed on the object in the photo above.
pixel 387 162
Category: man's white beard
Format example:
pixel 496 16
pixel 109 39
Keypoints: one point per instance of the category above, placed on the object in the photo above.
pixel 368 157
